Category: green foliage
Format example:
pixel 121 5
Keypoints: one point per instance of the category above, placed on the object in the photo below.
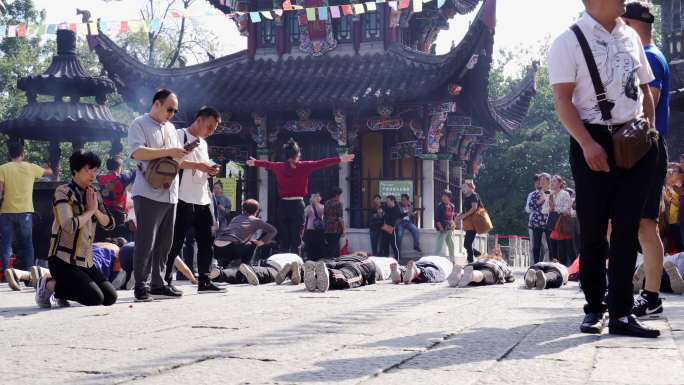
pixel 541 145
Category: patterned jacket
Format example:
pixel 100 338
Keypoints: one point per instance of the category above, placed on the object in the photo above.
pixel 70 241
pixel 502 272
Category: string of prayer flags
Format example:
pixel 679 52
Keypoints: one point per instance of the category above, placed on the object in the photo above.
pixel 335 12
pixel 254 16
pixel 370 6
pixel 346 9
pixel 358 9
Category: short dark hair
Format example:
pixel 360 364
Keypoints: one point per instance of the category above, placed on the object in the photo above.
pixel 392 198
pixel 208 112
pixel 161 95
pixel 404 196
pixel 80 159
pixel 250 206
pixel 114 163
pixel 446 193
pixel 377 196
pixel 291 149
pixel 15 147
pixel 336 191
pixel 218 183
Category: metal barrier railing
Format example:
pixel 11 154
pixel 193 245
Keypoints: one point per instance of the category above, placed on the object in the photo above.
pixel 514 249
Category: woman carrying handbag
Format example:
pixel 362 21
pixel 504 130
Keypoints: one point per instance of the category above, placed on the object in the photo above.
pixel 558 206
pixel 471 204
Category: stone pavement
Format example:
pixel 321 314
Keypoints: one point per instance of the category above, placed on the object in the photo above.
pixel 382 334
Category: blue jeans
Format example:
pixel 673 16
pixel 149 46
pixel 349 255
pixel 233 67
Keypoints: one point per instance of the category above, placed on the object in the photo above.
pixel 19 227
pixel 408 225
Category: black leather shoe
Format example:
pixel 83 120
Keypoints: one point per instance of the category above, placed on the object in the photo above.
pixel 206 286
pixel 592 323
pixel 632 328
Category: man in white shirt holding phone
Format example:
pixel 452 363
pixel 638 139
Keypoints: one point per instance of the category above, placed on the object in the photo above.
pixel 194 198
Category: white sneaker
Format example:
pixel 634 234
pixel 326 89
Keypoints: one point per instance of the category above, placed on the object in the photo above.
pixel 541 280
pixel 411 272
pixel 676 281
pixel 395 274
pixel 310 275
pixel 43 294
pixel 12 279
pixel 282 274
pixel 455 276
pixel 249 274
pixel 322 277
pixel 467 276
pixel 36 273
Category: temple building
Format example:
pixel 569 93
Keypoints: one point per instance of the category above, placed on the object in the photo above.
pixel 366 83
pixel 672 44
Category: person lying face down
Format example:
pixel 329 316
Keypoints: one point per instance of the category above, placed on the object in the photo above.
pixel 487 270
pixel 279 267
pixel 346 272
pixel 671 282
pixel 546 275
pixel 428 269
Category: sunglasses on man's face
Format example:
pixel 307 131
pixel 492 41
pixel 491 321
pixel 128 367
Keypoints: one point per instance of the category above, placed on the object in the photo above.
pixel 171 110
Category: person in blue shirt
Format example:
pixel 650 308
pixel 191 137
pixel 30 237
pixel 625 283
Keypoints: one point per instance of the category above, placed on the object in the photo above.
pixel 648 303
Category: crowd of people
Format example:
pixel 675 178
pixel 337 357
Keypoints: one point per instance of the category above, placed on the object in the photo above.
pixel 617 215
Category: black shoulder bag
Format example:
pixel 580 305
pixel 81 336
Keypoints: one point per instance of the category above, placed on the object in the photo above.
pixel 631 140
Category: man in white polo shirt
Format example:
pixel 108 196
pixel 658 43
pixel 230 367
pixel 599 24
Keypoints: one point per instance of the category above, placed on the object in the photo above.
pixel 194 200
pixel 604 192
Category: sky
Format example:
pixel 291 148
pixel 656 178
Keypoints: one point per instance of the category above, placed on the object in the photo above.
pixel 521 24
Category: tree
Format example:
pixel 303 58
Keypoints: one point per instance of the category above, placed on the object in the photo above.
pixel 176 39
pixel 541 145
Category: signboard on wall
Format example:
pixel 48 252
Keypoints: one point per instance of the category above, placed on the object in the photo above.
pixel 396 188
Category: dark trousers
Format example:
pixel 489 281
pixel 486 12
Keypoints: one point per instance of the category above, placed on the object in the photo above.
pixel 429 273
pixel 563 251
pixel 389 241
pixel 332 246
pixel 348 273
pixel 375 234
pixel 675 238
pixel 152 240
pixel 83 285
pixel 618 196
pixel 197 217
pixel 120 229
pixel 468 245
pixel 235 254
pixel 233 276
pixel 315 244
pixel 554 279
pixel 291 215
pixel 537 234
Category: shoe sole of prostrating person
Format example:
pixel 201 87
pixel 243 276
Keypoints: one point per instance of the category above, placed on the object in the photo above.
pixel 282 274
pixel 676 281
pixel 296 276
pixel 530 279
pixel 12 280
pixel 638 279
pixel 249 274
pixel 395 274
pixel 410 272
pixel 455 276
pixel 36 275
pixel 322 277
pixel 42 304
pixel 467 277
pixel 310 276
pixel 540 283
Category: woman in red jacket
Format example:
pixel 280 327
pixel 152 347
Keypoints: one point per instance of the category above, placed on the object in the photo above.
pixel 292 179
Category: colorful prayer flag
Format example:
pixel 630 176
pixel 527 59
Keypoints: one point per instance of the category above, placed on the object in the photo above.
pixel 403 4
pixel 31 30
pixel 267 15
pixel 370 6
pixel 417 6
pixel 358 9
pixel 155 26
pixel 73 27
pixel 393 5
pixel 21 30
pixel 41 29
pixel 297 7
pixel 379 1
pixel 278 12
pixel 335 12
pixel 123 28
pixel 51 29
pixel 311 14
pixel 440 3
pixel 254 16
pixel 322 13
pixel 12 31
pixel 93 29
pixel 347 9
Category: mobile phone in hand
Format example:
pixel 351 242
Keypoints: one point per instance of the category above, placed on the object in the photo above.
pixel 192 145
